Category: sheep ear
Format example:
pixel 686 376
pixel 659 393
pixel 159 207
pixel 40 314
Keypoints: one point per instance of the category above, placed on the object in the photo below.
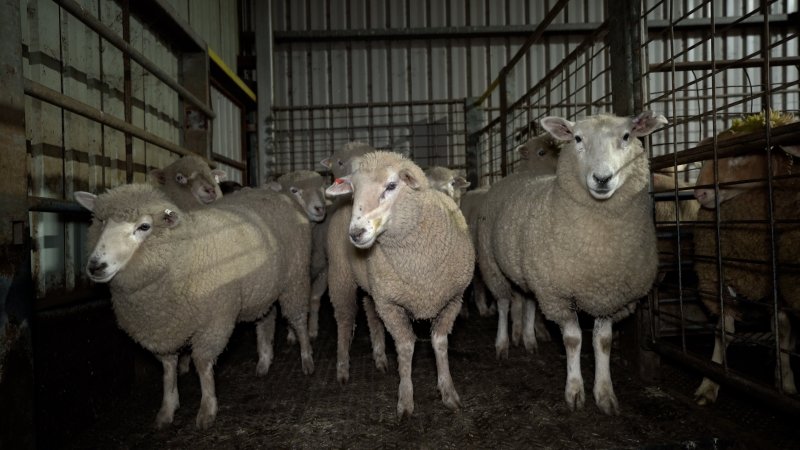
pixel 340 186
pixel 85 199
pixel 327 162
pixel 219 174
pixel 275 186
pixel 409 179
pixel 158 176
pixel 170 218
pixel 647 122
pixel 524 151
pixel 461 182
pixel 559 128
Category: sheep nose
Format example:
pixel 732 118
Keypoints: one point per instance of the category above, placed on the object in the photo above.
pixel 210 191
pixel 601 180
pixel 319 209
pixel 356 234
pixel 94 268
pixel 700 194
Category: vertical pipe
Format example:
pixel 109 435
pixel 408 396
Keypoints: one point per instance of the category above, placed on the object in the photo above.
pixel 264 72
pixel 624 41
pixel 503 123
pixel 128 87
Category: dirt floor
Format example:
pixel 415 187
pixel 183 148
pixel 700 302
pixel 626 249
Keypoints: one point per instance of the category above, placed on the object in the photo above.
pixel 516 403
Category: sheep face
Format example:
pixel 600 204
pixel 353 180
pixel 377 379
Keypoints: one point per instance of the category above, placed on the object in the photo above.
pixel 340 163
pixel 306 187
pixel 119 237
pixel 605 146
pixel 539 156
pixel 192 174
pixel 380 179
pixel 447 182
pixel 733 169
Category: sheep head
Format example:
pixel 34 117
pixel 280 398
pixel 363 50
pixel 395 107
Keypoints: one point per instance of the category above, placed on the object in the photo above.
pixel 539 155
pixel 340 162
pixel 306 187
pixel 605 146
pixel 121 224
pixel 378 181
pixel 447 182
pixel 735 169
pixel 190 174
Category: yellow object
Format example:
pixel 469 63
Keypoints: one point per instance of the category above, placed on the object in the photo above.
pixel 235 78
pixel 757 122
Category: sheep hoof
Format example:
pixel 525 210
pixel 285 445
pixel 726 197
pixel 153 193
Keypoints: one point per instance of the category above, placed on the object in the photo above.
pixel 502 351
pixel 608 404
pixel 163 419
pixel 404 411
pixel 263 367
pixel 707 393
pixel 451 400
pixel 381 363
pixel 343 372
pixel 308 364
pixel 204 421
pixel 574 395
pixel 532 346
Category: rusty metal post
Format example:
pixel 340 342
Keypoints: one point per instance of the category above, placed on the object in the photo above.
pixel 625 42
pixel 16 288
pixel 473 122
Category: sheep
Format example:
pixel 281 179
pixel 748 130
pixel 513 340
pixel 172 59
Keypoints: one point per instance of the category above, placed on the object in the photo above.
pixel 342 258
pixel 447 181
pixel 741 242
pixel 189 182
pixel 182 279
pixel 539 156
pixel 307 188
pixel 669 212
pixel 418 258
pixel 582 240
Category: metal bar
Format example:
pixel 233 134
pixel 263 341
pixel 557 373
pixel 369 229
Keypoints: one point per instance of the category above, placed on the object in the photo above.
pixel 54 205
pixel 228 161
pixel 368 105
pixel 532 39
pixel 724 63
pixel 98 27
pixel 56 98
pixel 127 76
pixel 728 378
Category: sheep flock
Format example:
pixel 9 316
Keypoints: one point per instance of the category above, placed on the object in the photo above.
pixel 572 231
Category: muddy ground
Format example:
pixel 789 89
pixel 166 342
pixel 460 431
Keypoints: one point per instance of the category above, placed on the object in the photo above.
pixel 516 403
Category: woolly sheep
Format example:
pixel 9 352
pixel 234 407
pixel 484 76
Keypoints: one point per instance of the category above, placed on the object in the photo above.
pixel 418 259
pixel 343 257
pixel 582 240
pixel 189 182
pixel 307 188
pixel 447 181
pixel 539 155
pixel 187 278
pixel 747 202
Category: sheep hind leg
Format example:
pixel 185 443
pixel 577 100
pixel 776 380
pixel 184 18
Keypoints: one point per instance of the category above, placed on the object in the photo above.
pixel 708 390
pixel 208 400
pixel 604 395
pixel 501 342
pixel 170 401
pixel 479 295
pixel 784 374
pixel 442 326
pixel 530 331
pixel 345 307
pixel 573 391
pixel 299 321
pixel 517 321
pixel 377 335
pixel 317 291
pixel 398 324
pixel 265 333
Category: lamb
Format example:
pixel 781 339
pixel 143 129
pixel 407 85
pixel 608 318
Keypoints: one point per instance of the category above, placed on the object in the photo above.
pixel 343 258
pixel 539 155
pixel 189 182
pixel 741 242
pixel 582 240
pixel 307 188
pixel 418 258
pixel 447 181
pixel 181 279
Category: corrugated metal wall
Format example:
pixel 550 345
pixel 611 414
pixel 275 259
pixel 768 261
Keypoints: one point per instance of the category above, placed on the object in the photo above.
pixel 226 133
pixel 216 21
pixel 315 65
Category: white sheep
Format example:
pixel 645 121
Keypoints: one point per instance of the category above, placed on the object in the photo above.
pixel 342 258
pixel 447 181
pixel 582 240
pixel 418 258
pixel 539 156
pixel 307 188
pixel 740 203
pixel 189 182
pixel 182 279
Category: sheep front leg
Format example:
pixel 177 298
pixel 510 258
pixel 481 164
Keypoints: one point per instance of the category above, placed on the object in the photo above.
pixel 317 291
pixel 397 323
pixel 376 334
pixel 501 342
pixel 208 400
pixel 170 401
pixel 708 390
pixel 603 388
pixel 298 319
pixel 265 333
pixel 573 392
pixel 442 326
pixel 517 320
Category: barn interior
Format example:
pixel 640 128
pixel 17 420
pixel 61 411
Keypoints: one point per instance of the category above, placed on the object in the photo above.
pixel 98 93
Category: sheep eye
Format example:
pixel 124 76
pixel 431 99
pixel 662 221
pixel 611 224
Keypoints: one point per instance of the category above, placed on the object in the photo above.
pixel 625 138
pixel 144 227
pixel 544 152
pixel 578 139
pixel 391 186
pixel 294 190
pixel 340 163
